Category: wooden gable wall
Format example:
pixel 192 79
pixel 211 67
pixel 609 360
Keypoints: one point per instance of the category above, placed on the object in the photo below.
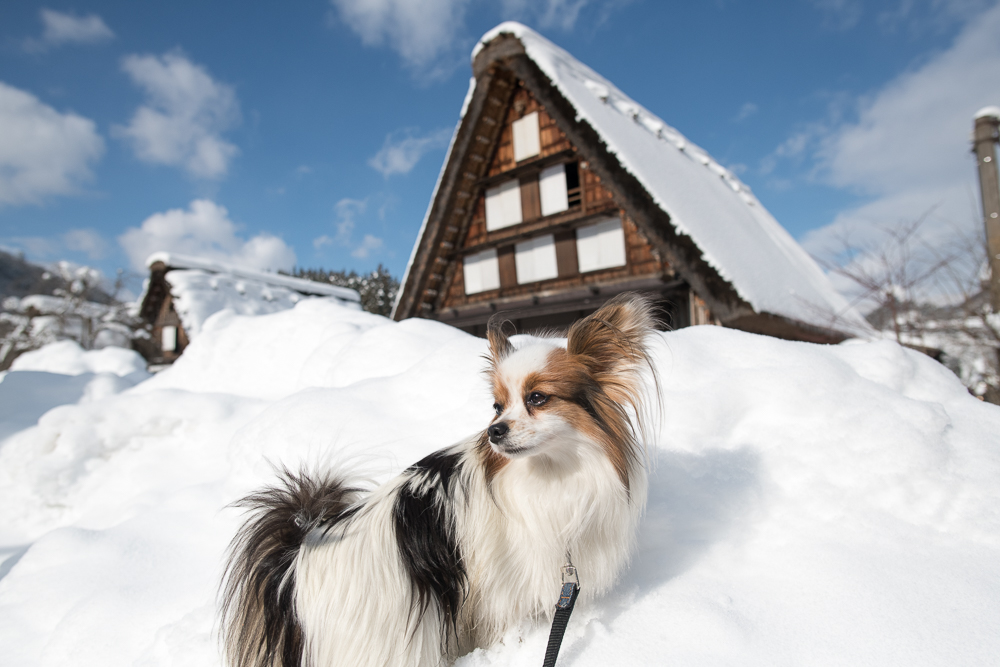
pixel 157 310
pixel 591 202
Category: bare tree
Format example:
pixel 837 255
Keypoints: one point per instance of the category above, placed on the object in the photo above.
pixel 894 270
pixel 932 296
pixel 79 309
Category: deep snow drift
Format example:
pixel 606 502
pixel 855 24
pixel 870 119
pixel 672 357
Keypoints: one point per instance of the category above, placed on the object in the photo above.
pixel 809 504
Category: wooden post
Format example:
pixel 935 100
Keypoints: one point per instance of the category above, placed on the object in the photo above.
pixel 985 136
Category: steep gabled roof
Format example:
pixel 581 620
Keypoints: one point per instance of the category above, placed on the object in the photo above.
pixel 709 224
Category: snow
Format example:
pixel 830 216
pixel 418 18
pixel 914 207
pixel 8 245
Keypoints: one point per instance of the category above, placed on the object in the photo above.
pixel 62 373
pixel 173 260
pixel 737 235
pixel 809 504
pixel 199 294
pixel 988 112
pixel 69 358
pixel 202 288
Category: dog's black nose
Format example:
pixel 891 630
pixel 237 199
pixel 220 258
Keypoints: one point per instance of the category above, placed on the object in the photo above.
pixel 497 431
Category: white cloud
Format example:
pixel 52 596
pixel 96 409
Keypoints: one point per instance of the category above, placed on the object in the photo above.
pixel 369 244
pixel 42 152
pixel 348 210
pixel 204 230
pixel 88 242
pixel 919 17
pixel 400 155
pixel 185 114
pixel 748 109
pixel 423 32
pixel 62 28
pixel 561 14
pixel 418 31
pixel 908 150
pixel 840 14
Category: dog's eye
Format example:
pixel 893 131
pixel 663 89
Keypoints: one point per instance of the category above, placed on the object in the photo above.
pixel 536 398
pixel 498 408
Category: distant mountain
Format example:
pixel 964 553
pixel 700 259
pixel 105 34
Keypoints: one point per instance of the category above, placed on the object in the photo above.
pixel 19 277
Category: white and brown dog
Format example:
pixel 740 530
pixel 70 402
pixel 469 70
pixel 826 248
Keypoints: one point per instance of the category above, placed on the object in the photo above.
pixel 469 541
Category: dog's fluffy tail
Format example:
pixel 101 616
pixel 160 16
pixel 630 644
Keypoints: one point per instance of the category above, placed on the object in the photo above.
pixel 259 624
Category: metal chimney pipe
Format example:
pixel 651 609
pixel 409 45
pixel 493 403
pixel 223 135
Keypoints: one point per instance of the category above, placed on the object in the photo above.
pixel 985 136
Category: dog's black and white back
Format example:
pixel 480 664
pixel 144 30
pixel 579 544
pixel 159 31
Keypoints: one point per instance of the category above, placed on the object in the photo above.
pixel 467 542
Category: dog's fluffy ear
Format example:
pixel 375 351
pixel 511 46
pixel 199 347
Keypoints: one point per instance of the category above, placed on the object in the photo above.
pixel 611 341
pixel 500 345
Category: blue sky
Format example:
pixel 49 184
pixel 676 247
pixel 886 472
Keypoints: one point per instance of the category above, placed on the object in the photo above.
pixel 311 133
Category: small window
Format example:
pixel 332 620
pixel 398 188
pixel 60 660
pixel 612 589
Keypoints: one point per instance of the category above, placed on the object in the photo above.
pixel 482 272
pixel 600 246
pixel 526 139
pixel 574 195
pixel 168 338
pixel 503 205
pixel 552 189
pixel 536 260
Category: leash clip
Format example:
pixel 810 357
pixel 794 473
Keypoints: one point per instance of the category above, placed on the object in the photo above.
pixel 570 585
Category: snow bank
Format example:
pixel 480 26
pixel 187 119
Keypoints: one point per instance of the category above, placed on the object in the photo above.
pixel 68 358
pixel 809 504
pixel 62 373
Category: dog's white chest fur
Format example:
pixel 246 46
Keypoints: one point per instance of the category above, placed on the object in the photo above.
pixel 518 545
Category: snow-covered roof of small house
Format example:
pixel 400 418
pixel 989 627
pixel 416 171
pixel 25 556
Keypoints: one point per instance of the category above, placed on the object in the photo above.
pixel 706 202
pixel 200 288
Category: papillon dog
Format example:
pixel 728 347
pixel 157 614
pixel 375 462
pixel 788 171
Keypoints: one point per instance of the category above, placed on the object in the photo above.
pixel 468 542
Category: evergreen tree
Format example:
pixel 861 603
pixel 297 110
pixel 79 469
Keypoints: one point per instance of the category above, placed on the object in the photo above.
pixel 377 289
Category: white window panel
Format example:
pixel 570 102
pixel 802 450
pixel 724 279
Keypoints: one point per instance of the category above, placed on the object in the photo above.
pixel 536 260
pixel 526 140
pixel 168 338
pixel 482 272
pixel 600 246
pixel 503 205
pixel 552 188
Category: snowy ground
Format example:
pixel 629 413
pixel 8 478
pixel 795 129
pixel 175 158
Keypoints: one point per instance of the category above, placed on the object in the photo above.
pixel 809 505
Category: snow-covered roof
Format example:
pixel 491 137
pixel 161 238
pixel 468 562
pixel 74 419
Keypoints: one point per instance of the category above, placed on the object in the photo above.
pixel 705 201
pixel 309 287
pixel 200 288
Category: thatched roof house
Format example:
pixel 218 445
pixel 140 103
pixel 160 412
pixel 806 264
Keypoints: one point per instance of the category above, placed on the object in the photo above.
pixel 182 292
pixel 559 191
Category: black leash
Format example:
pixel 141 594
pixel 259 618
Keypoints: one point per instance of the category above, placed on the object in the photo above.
pixel 564 608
